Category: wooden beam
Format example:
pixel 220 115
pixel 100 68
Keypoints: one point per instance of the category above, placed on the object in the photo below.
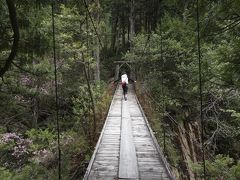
pixel 120 62
pixel 128 167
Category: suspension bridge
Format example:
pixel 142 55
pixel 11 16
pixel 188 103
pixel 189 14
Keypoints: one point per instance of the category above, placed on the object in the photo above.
pixel 127 147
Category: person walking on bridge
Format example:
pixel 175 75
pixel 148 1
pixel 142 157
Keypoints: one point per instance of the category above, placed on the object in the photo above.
pixel 124 82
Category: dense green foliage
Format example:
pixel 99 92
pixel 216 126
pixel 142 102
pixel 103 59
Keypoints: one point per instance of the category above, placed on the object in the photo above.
pixel 28 139
pixel 170 80
pixel 161 37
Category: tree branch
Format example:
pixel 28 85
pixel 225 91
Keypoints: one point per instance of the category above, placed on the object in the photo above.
pixel 14 23
pixel 26 70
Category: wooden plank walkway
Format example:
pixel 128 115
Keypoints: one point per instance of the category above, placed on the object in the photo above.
pixel 127 148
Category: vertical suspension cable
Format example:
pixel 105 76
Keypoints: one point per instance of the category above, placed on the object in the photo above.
pixel 56 91
pixel 94 27
pixel 87 27
pixel 162 82
pixel 200 90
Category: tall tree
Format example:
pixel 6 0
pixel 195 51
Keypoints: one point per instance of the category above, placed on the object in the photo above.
pixel 132 19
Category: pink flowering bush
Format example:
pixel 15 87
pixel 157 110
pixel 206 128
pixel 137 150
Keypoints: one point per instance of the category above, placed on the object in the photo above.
pixel 44 146
pixel 14 149
pixel 44 157
pixel 42 139
pixel 40 147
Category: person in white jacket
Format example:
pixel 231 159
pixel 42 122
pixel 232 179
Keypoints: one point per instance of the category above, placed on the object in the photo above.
pixel 124 82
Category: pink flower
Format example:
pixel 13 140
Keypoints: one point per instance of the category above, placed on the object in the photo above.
pixel 20 145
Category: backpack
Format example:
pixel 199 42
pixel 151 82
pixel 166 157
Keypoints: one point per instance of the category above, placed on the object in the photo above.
pixel 124 84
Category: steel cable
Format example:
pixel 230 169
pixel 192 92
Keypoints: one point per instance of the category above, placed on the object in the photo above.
pixel 56 91
pixel 200 89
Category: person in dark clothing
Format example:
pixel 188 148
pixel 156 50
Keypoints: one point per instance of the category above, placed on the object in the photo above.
pixel 124 82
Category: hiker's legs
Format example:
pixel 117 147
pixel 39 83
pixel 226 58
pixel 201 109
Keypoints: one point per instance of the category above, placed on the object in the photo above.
pixel 126 89
pixel 125 92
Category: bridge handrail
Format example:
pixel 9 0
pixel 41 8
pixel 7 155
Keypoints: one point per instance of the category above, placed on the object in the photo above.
pixel 99 141
pixel 160 152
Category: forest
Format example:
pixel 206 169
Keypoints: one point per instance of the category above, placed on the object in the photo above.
pixel 57 81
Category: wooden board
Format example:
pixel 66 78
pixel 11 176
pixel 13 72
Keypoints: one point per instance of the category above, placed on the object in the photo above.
pixel 128 168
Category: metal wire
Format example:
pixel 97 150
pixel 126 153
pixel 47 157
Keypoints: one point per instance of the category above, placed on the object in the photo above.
pixel 200 89
pixel 94 27
pixel 162 84
pixel 56 91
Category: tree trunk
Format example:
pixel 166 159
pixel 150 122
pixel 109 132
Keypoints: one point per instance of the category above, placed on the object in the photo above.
pixel 14 23
pixel 188 153
pixel 35 110
pixel 114 28
pixel 97 52
pixel 157 12
pixel 97 56
pixel 91 98
pixel 123 30
pixel 132 20
pixel 35 100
